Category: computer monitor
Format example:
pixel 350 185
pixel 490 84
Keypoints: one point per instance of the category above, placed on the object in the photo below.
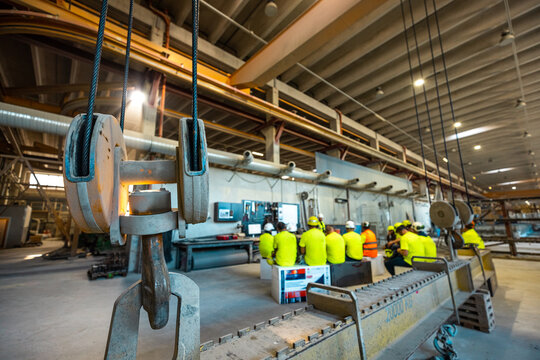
pixel 254 229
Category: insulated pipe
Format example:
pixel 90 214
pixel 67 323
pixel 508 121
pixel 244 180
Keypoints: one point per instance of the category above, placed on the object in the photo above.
pixel 40 121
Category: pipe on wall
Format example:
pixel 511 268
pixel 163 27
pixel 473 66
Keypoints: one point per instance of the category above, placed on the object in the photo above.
pixel 40 121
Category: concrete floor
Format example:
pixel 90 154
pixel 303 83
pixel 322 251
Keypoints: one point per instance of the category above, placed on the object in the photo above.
pixel 49 310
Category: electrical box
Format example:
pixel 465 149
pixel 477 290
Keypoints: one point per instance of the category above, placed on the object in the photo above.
pixel 227 212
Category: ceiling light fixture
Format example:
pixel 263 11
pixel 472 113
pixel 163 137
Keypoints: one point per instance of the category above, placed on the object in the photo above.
pixel 520 104
pixel 472 132
pixel 445 159
pixel 531 153
pixel 489 187
pixel 419 82
pixel 285 177
pixel 477 147
pixel 457 124
pixel 513 188
pixel 474 177
pixel 469 163
pixel 527 202
pixel 496 171
pixel 137 97
pixel 507 37
pixel 379 93
pixel 526 134
pixel 256 153
pixel 271 8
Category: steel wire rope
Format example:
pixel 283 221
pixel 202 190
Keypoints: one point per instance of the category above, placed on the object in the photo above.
pixel 126 66
pixel 85 161
pixel 415 102
pixel 438 100
pixel 451 103
pixel 413 25
pixel 194 112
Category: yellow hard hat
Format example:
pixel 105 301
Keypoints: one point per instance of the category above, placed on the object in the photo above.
pixel 313 221
pixel 391 228
pixel 396 225
pixel 406 223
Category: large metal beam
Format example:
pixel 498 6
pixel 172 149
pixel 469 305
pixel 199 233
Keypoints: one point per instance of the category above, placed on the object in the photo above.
pixel 309 32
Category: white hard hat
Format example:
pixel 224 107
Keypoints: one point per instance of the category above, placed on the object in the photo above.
pixel 417 226
pixel 268 227
pixel 320 216
pixel 350 225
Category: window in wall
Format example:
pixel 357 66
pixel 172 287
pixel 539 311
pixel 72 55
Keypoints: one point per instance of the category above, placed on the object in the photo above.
pixel 48 180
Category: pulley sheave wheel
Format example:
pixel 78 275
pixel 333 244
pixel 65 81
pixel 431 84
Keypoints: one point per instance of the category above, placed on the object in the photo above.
pixel 443 214
pixel 464 210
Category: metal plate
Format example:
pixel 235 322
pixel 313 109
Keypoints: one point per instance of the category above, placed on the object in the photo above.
pixel 465 211
pixel 93 212
pixel 443 214
pixel 148 224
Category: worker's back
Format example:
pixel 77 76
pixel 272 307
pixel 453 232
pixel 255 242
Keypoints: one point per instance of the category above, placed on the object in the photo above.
pixel 266 245
pixel 370 244
pixel 430 249
pixel 285 245
pixel 354 245
pixel 315 243
pixel 413 244
pixel 471 237
pixel 335 248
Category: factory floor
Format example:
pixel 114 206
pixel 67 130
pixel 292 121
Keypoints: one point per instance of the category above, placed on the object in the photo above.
pixel 50 310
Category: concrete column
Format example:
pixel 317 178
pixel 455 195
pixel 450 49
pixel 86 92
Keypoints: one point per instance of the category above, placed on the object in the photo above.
pixel 272 149
pixel 335 125
pixel 158 31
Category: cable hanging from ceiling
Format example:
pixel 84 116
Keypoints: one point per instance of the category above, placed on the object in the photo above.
pixel 443 134
pixel 451 103
pixel 420 136
pixel 428 113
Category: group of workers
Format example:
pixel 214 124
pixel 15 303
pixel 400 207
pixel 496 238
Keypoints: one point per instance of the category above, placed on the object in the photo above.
pixel 319 245
pixel 322 244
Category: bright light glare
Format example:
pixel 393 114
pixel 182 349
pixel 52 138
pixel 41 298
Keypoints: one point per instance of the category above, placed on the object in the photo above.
pixel 445 159
pixel 457 124
pixel 496 171
pixel 477 147
pixel 47 180
pixel 256 153
pixel 419 82
pixel 513 188
pixel 490 188
pixel 30 257
pixel 527 202
pixel 472 132
pixel 138 97
pixel 285 177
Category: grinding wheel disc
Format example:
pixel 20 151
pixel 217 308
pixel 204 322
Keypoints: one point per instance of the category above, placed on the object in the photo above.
pixel 464 210
pixel 443 214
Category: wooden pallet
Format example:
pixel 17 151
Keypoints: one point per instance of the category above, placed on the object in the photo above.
pixel 477 312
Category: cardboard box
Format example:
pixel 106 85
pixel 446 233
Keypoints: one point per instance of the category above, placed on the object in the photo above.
pixel 289 283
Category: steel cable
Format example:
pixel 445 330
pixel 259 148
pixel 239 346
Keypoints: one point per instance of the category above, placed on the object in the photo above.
pixel 194 115
pixel 415 102
pixel 85 163
pixel 126 66
pixel 439 101
pixel 425 95
pixel 451 103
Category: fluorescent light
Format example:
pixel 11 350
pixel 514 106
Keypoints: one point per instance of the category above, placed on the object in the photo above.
pixel 513 188
pixel 445 159
pixel 472 132
pixel 496 171
pixel 138 97
pixel 285 177
pixel 527 202
pixel 457 124
pixel 477 147
pixel 419 82
pixel 256 153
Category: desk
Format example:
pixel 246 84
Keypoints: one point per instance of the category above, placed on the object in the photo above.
pixel 184 258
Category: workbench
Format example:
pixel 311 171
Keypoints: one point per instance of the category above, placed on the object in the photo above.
pixel 184 258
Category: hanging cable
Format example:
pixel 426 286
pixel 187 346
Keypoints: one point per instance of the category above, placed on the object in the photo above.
pixel 425 94
pixel 194 115
pixel 439 101
pixel 126 66
pixel 415 102
pixel 85 161
pixel 451 103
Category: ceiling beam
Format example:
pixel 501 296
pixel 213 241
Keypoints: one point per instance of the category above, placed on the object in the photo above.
pixel 307 34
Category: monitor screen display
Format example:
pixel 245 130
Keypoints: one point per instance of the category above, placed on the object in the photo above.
pixel 254 229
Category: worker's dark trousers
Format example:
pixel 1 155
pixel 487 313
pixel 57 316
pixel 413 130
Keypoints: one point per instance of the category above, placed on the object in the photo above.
pixel 391 264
